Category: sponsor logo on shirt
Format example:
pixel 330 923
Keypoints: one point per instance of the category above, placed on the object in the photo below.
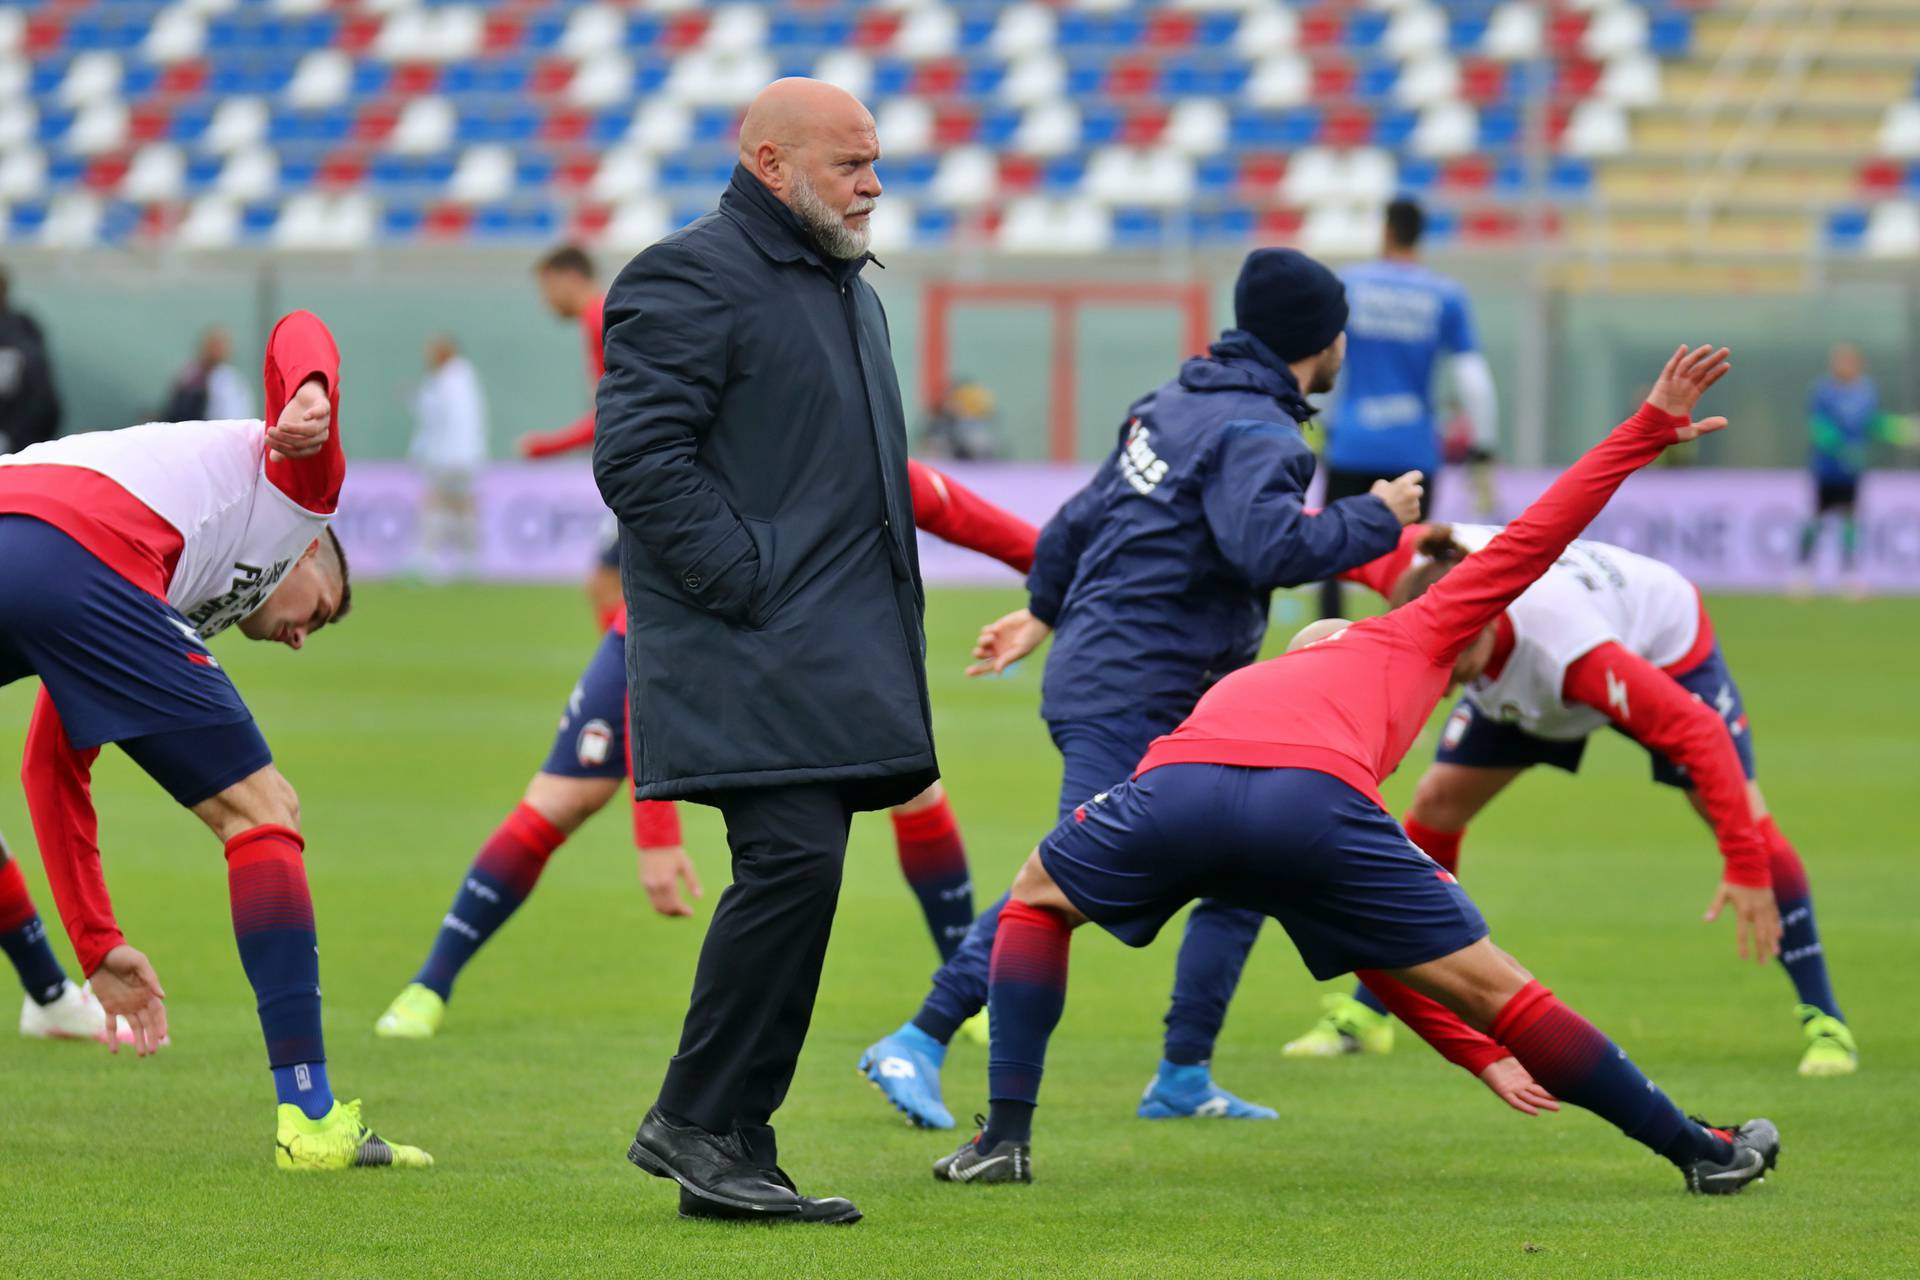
pixel 1139 464
pixel 252 584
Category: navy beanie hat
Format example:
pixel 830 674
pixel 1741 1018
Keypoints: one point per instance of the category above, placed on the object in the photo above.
pixel 1290 302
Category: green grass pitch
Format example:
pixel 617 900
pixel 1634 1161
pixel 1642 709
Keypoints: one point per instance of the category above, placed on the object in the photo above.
pixel 409 732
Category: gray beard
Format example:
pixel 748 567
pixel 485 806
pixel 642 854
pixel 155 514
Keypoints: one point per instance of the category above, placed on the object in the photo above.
pixel 834 237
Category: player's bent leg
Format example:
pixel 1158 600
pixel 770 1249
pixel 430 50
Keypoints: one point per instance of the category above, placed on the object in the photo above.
pixel 279 950
pixel 503 876
pixel 1028 991
pixel 1576 1063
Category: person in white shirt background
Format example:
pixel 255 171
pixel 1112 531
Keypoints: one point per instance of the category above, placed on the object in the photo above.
pixel 209 389
pixel 449 446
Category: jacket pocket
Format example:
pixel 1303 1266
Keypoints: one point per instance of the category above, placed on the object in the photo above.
pixel 763 534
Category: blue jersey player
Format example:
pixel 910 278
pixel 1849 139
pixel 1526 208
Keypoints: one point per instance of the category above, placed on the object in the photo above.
pixel 1844 422
pixel 1403 319
pixel 1154 582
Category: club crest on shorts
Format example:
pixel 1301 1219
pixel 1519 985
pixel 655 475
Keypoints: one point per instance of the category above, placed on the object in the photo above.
pixel 595 740
pixel 1457 725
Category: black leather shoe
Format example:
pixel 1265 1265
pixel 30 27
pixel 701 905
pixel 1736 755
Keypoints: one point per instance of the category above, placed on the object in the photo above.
pixel 831 1210
pixel 712 1166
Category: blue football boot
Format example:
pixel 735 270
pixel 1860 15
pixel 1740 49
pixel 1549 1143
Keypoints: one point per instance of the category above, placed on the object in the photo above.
pixel 905 1066
pixel 1178 1091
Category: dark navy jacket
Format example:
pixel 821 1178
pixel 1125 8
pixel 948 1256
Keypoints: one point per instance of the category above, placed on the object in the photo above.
pixel 1156 576
pixel 750 438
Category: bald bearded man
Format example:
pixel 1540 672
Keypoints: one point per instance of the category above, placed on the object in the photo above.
pixel 750 439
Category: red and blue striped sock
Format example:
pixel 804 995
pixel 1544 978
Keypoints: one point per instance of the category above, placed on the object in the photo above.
pixel 1568 1055
pixel 1026 994
pixel 934 860
pixel 1801 954
pixel 502 875
pixel 24 938
pixel 273 925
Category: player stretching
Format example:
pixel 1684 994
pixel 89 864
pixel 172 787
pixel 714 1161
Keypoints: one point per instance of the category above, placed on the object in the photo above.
pixel 1157 576
pixel 1604 637
pixel 588 763
pixel 1268 797
pixel 121 552
pixel 571 292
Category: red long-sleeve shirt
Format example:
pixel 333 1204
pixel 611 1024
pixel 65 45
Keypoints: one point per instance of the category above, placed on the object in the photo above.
pixel 577 434
pixel 954 513
pixel 1351 705
pixel 137 544
pixel 1656 710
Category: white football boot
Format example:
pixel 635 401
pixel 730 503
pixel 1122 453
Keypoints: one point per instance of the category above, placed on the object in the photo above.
pixel 73 1015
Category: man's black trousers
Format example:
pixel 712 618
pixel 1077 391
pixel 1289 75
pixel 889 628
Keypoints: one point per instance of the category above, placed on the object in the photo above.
pixel 760 964
pixel 1350 484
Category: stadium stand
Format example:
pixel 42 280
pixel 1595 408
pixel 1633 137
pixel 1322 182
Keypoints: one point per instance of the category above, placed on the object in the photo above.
pixel 1660 125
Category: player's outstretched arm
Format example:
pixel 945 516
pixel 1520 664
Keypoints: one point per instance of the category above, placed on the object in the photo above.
pixel 577 434
pixel 1652 708
pixel 302 386
pixel 1057 551
pixel 951 512
pixel 1446 619
pixel 1253 498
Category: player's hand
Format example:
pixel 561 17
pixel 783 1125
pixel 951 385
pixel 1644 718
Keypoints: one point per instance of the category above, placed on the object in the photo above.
pixel 1005 641
pixel 1685 379
pixel 661 873
pixel 1756 919
pixel 1402 495
pixel 127 987
pixel 1512 1084
pixel 304 424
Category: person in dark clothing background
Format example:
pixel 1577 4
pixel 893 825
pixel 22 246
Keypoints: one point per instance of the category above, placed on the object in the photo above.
pixel 1154 581
pixel 29 400
pixel 751 441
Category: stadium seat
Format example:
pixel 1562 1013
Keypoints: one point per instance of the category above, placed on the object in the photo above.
pixel 204 120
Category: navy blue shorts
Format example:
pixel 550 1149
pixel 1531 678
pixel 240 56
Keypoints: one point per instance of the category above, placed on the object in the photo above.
pixel 1303 847
pixel 1473 738
pixel 591 741
pixel 120 665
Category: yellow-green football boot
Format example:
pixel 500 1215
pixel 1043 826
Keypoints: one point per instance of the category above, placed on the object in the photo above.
pixel 1345 1026
pixel 415 1014
pixel 338 1140
pixel 1830 1047
pixel 975 1029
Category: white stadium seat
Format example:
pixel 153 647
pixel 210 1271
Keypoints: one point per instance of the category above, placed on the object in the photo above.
pixel 158 171
pixel 323 78
pixel 660 126
pixel 1051 129
pixel 906 125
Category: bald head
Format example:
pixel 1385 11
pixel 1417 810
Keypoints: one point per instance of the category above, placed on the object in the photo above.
pixel 1315 632
pixel 813 146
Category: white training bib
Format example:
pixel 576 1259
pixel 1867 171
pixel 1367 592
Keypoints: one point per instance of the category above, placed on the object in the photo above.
pixel 239 533
pixel 1594 593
